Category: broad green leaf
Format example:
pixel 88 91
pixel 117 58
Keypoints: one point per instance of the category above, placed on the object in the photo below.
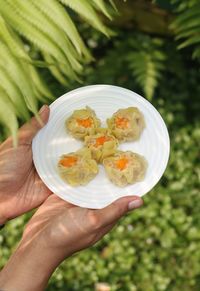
pixel 13 67
pixel 10 39
pixel 27 12
pixel 146 68
pixel 60 18
pixel 7 116
pixel 40 85
pixel 188 33
pixel 54 70
pixel 113 5
pixel 48 26
pixel 83 8
pixel 190 41
pixel 14 94
pixel 187 26
pixel 193 23
pixel 186 15
pixel 41 40
pixel 102 7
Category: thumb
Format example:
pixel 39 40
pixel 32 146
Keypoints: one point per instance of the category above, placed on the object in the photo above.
pixel 117 209
pixel 30 129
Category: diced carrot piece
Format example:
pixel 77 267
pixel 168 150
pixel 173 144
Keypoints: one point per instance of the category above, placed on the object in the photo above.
pixel 68 161
pixel 122 122
pixel 85 122
pixel 122 163
pixel 101 140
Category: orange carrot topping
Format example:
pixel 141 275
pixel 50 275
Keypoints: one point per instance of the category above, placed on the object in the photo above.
pixel 101 140
pixel 122 163
pixel 68 161
pixel 122 122
pixel 85 122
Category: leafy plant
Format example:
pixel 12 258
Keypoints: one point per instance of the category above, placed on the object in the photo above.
pixel 146 61
pixel 49 27
pixel 155 248
pixel 141 59
pixel 187 24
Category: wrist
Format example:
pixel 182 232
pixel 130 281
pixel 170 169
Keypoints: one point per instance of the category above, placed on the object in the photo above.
pixel 29 268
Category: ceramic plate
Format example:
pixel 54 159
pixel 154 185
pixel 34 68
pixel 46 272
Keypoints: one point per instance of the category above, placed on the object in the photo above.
pixel 53 141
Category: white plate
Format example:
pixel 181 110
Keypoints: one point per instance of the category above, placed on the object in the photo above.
pixel 53 141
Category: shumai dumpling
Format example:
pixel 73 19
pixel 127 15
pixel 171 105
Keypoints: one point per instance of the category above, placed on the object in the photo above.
pixel 126 124
pixel 102 144
pixel 125 168
pixel 82 122
pixel 77 168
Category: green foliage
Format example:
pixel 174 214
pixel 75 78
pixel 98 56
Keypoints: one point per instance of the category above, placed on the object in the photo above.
pixel 155 248
pixel 187 25
pixel 140 56
pixel 48 26
pixel 146 63
pixel 7 116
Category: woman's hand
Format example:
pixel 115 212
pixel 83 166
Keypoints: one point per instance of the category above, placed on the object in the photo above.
pixel 56 231
pixel 21 189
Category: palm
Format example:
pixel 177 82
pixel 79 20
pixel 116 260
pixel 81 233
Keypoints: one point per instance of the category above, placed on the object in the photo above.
pixel 57 217
pixel 66 227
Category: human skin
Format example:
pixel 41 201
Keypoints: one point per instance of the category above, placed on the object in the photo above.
pixel 57 230
pixel 21 189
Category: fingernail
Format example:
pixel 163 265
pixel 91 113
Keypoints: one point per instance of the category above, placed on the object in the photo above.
pixel 42 109
pixel 135 204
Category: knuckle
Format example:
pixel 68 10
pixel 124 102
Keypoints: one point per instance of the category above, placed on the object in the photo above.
pixel 35 123
pixel 118 209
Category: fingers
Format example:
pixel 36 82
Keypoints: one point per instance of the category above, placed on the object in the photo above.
pixel 30 129
pixel 117 209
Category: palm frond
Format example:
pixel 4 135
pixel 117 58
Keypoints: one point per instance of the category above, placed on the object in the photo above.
pixel 102 6
pixel 113 5
pixel 59 17
pixel 47 26
pixel 146 64
pixel 14 94
pixel 86 10
pixel 187 27
pixel 54 68
pixel 17 73
pixel 7 115
pixel 40 86
pixel 38 31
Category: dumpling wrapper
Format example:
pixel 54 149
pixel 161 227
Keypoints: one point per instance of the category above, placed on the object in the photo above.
pixel 82 122
pixel 77 168
pixel 102 144
pixel 126 124
pixel 125 168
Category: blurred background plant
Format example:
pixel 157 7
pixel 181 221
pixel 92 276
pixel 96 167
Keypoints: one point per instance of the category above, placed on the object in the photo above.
pixel 154 50
pixel 41 34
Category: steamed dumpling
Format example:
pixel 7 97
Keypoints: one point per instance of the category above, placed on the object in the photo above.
pixel 77 168
pixel 82 122
pixel 126 124
pixel 125 168
pixel 102 144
